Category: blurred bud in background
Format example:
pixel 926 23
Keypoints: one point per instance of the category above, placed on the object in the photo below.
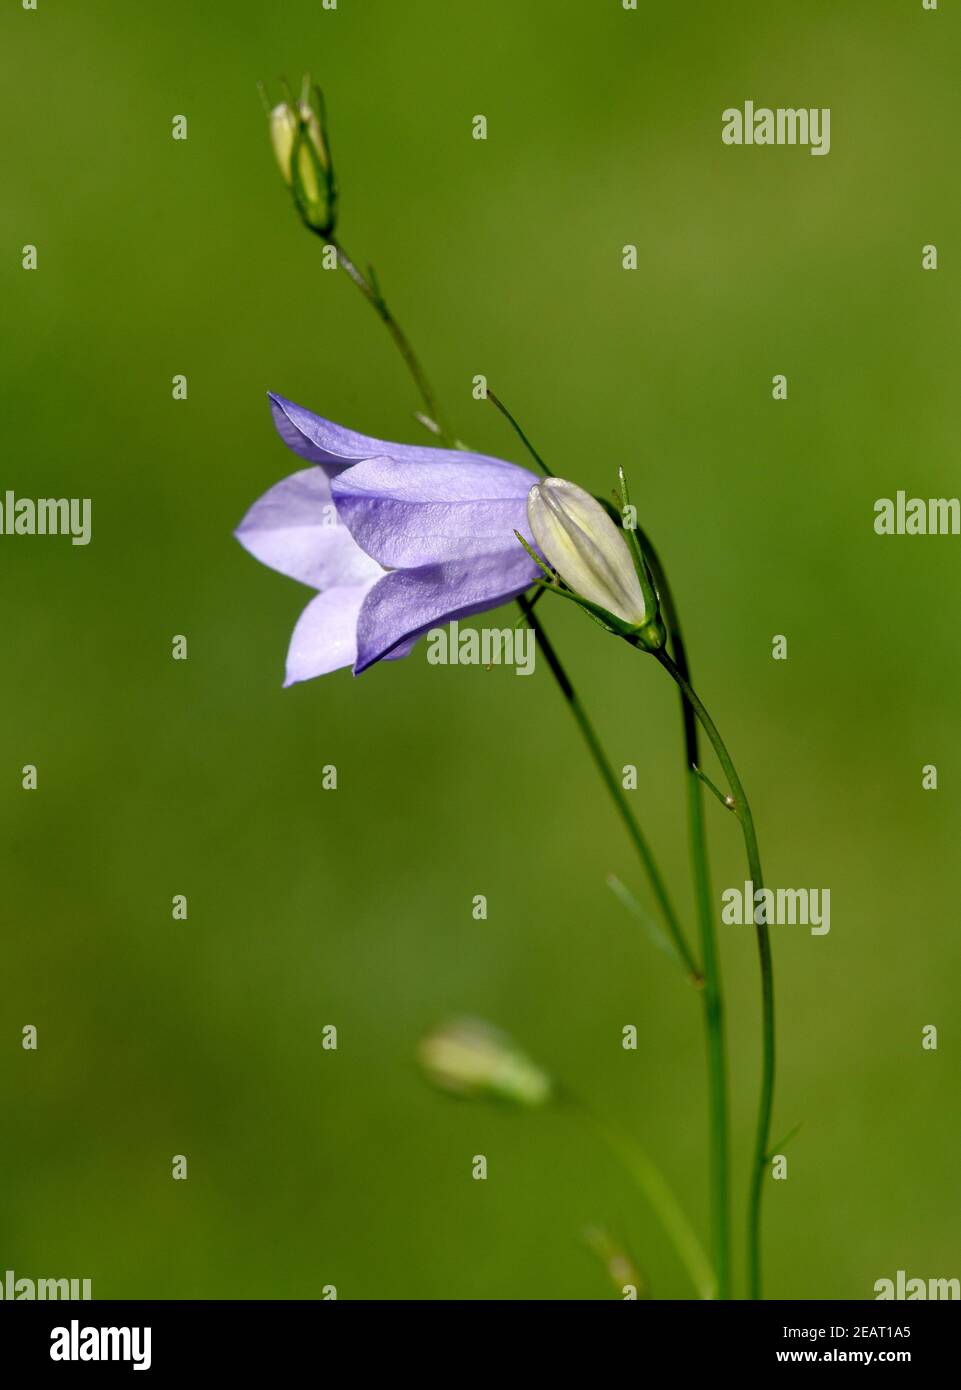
pixel 470 1058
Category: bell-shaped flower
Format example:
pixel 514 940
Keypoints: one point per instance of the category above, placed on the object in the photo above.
pixel 395 538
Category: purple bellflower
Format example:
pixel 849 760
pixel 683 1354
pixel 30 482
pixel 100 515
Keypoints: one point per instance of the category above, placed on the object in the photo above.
pixel 395 538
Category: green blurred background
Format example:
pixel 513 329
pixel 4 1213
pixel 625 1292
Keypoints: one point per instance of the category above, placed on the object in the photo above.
pixel 203 1038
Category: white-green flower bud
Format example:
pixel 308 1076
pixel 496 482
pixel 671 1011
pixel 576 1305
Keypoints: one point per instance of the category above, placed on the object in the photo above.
pixel 283 128
pixel 470 1058
pixel 298 127
pixel 577 537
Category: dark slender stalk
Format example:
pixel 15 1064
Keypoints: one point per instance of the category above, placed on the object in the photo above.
pixel 712 995
pixel 743 812
pixel 616 791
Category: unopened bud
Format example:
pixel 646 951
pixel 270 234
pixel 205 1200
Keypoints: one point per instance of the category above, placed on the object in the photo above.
pixel 577 537
pixel 470 1058
pixel 303 158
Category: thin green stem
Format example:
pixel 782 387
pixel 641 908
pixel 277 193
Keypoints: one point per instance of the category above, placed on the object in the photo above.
pixel 616 791
pixel 712 995
pixel 743 812
pixel 496 401
pixel 371 292
pixel 661 1198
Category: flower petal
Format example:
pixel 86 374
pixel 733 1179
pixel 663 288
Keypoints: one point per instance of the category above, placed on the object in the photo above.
pixel 410 514
pixel 406 603
pixel 294 528
pixel 336 448
pixel 325 636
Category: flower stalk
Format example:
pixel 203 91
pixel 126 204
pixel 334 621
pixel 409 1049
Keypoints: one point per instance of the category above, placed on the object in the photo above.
pixel 713 1005
pixel 370 289
pixel 742 810
pixel 609 778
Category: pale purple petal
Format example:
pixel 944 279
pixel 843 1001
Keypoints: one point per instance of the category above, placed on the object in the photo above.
pixel 294 528
pixel 335 448
pixel 325 637
pixel 406 603
pixel 412 514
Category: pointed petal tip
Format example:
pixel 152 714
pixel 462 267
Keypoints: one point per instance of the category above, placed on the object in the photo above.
pixel 364 663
